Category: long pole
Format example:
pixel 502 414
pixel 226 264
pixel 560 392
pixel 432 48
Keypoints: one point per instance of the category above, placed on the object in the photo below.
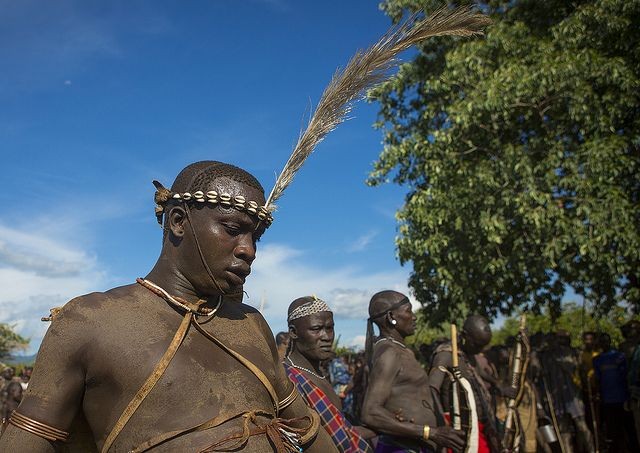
pixel 455 416
pixel 552 409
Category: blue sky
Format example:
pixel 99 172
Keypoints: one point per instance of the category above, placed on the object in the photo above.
pixel 100 98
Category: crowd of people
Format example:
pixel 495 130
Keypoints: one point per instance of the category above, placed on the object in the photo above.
pixel 11 388
pixel 588 399
pixel 397 397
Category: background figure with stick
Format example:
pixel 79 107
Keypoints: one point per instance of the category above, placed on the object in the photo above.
pixel 398 403
pixel 475 336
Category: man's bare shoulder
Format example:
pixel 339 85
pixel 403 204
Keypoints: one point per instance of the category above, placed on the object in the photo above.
pixel 385 350
pixel 442 356
pixel 77 317
pixel 385 357
pixel 255 315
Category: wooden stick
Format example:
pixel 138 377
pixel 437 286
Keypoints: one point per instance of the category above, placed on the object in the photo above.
pixel 454 346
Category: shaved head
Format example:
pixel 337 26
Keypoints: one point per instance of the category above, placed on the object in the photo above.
pixel 476 332
pixel 382 302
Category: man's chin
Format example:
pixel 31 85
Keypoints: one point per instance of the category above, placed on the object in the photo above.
pixel 235 293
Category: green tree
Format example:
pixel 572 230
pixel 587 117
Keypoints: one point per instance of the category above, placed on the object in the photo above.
pixel 10 341
pixel 573 320
pixel 520 152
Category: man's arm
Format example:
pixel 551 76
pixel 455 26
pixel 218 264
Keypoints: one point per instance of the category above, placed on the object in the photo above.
pixel 56 386
pixel 374 414
pixel 437 376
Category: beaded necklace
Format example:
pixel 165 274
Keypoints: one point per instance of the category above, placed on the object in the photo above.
pixel 305 369
pixel 392 340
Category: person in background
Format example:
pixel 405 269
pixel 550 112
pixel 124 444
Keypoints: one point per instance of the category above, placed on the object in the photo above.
pixel 558 375
pixel 13 398
pixel 629 331
pixel 634 377
pixel 398 403
pixel 342 383
pixel 311 337
pixel 282 343
pixel 474 337
pixel 610 370
pixel 585 369
pixel 25 376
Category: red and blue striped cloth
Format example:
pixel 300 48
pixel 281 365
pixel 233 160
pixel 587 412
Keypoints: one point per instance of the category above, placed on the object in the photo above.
pixel 341 431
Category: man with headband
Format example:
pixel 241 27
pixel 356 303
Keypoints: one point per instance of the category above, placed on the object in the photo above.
pixel 311 337
pixel 123 358
pixel 398 403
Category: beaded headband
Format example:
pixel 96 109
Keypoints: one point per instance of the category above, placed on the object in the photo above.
pixel 164 195
pixel 308 309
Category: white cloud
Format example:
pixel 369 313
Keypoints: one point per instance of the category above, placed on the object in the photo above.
pixel 357 342
pixel 282 274
pixel 362 242
pixel 36 274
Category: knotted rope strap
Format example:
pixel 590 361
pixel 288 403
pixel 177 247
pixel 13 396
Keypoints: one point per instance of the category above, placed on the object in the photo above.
pixel 285 435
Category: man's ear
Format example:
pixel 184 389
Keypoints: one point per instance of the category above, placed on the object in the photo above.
pixel 390 319
pixel 176 219
pixel 292 332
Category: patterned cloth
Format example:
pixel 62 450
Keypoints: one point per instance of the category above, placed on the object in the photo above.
pixel 346 439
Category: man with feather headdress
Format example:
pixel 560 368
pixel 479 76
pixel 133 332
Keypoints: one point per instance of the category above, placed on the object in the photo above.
pixel 183 323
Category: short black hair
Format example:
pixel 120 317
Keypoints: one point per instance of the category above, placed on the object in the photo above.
pixel 199 175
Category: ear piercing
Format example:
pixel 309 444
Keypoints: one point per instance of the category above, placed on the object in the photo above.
pixel 394 322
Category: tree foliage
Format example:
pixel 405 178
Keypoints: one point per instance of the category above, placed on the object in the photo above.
pixel 573 319
pixel 10 341
pixel 520 152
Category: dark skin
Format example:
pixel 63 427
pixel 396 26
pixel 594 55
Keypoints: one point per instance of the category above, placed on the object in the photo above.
pixel 14 395
pixel 589 341
pixel 102 346
pixel 282 341
pixel 398 401
pixel 312 338
pixel 475 336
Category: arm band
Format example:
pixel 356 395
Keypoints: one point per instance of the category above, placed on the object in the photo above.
pixel 288 400
pixel 38 428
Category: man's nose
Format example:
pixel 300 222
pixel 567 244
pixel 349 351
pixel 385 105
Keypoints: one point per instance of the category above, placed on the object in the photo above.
pixel 245 249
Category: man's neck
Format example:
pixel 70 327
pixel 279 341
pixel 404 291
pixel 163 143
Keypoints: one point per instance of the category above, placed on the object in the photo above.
pixel 302 361
pixel 176 284
pixel 393 334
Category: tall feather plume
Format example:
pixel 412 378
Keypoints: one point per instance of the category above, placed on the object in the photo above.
pixel 366 69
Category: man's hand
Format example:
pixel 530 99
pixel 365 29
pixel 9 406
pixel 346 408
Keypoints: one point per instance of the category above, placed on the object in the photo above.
pixel 446 436
pixel 508 392
pixel 400 417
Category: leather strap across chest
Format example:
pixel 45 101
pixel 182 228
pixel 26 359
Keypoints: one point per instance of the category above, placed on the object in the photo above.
pixel 161 366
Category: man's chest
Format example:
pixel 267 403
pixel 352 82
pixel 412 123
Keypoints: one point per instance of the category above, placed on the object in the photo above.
pixel 201 380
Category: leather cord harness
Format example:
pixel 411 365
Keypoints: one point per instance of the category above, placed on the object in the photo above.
pixel 285 435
